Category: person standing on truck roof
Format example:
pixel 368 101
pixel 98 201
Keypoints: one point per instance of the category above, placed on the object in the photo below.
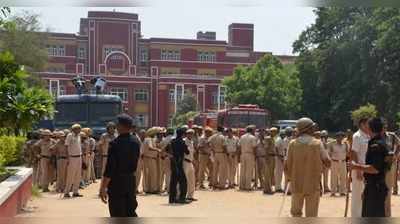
pixel 104 142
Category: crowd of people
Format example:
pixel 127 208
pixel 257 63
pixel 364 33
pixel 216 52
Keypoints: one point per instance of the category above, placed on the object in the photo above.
pixel 180 162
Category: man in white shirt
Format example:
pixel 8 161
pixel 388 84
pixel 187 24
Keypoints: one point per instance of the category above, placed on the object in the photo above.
pixel 74 169
pixel 338 151
pixel 359 150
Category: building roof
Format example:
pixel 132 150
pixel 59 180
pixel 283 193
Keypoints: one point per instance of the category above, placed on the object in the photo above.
pixel 186 41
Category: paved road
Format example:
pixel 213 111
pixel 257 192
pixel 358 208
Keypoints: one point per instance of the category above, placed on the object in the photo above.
pixel 230 203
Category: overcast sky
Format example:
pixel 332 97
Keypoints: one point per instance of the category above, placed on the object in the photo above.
pixel 275 27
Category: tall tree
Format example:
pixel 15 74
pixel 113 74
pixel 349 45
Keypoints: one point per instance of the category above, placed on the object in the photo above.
pixel 268 84
pixel 20 106
pixel 22 36
pixel 347 58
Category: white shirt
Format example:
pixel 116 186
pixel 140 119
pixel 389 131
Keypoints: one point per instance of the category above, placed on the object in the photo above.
pixel 360 145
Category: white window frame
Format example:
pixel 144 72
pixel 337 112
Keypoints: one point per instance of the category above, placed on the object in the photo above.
pixel 182 87
pixel 144 92
pixel 121 92
pixel 171 95
pixel 51 83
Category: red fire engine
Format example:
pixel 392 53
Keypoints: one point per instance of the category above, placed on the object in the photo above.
pixel 236 117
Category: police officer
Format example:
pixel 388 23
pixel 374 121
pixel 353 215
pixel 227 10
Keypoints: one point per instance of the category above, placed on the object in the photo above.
pixel 377 164
pixel 220 168
pixel 248 144
pixel 74 170
pixel 104 142
pixel 303 167
pixel 178 149
pixel 61 153
pixel 118 186
pixel 45 145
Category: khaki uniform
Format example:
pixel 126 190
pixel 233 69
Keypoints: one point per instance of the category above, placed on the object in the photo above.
pixel 325 171
pixel 188 168
pixel 74 170
pixel 151 174
pixel 261 165
pixel 91 155
pixel 45 162
pixel 103 144
pixel 303 168
pixel 165 175
pixel 32 158
pixel 231 145
pixel 196 156
pixel 205 162
pixel 220 168
pixel 269 145
pixel 247 144
pixel 280 148
pixel 392 143
pixel 85 160
pixel 62 162
pixel 338 153
pixel 139 169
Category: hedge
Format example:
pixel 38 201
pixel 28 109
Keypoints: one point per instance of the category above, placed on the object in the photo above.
pixel 11 150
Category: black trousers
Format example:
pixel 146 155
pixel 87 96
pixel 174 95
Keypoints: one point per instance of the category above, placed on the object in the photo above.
pixel 177 177
pixel 122 205
pixel 373 204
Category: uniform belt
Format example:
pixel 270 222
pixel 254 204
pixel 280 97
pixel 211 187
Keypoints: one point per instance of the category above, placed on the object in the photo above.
pixel 188 160
pixel 43 156
pixel 75 156
pixel 337 160
pixel 260 156
pixel 62 157
pixel 202 153
pixel 150 157
pixel 219 152
pixel 272 154
pixel 104 155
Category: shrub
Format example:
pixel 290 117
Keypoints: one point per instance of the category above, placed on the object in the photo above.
pixel 11 150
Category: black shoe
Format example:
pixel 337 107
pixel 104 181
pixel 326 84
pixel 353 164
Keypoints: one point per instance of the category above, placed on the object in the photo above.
pixel 67 196
pixel 279 191
pixel 77 195
pixel 395 193
pixel 191 199
pixel 183 202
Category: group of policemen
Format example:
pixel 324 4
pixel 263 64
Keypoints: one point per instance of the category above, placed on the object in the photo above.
pixel 63 158
pixel 179 162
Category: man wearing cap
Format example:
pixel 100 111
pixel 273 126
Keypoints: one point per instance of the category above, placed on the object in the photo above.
pixel 32 155
pixel 196 138
pixel 303 167
pixel 205 161
pixel 289 133
pixel 220 164
pixel 279 160
pixel 104 142
pixel 338 151
pixel 44 145
pixel 269 144
pixel 118 187
pixel 85 159
pixel 231 144
pixel 74 169
pixel 188 166
pixel 261 154
pixel 150 156
pixel 61 153
pixel 248 145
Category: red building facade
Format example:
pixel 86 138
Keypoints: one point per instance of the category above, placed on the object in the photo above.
pixel 151 75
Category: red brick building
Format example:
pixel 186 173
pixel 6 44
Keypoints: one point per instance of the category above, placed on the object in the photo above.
pixel 151 75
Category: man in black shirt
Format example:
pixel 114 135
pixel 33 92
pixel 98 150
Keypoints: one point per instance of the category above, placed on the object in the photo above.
pixel 377 163
pixel 178 150
pixel 118 185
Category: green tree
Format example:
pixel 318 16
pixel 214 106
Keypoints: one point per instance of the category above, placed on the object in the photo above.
pixel 366 111
pixel 22 36
pixel 269 84
pixel 20 106
pixel 186 110
pixel 347 58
